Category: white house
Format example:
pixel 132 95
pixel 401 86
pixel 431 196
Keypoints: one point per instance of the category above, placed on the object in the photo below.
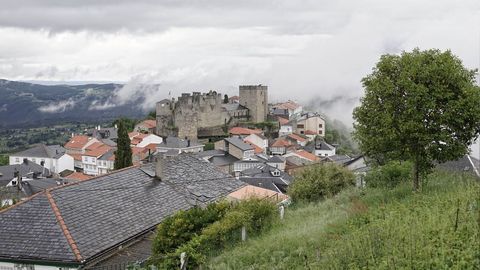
pixel 323 149
pixel 52 157
pixel 98 159
pixel 141 140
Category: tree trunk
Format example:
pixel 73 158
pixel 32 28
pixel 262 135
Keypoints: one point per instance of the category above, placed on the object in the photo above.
pixel 416 180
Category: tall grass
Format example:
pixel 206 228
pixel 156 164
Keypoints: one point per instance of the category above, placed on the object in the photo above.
pixel 437 228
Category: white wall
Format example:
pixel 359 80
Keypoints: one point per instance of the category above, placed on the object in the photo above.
pixel 285 130
pixel 325 153
pixel 49 163
pixel 12 266
pixel 65 162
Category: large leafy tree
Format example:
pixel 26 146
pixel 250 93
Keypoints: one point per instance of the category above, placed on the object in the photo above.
pixel 123 155
pixel 421 106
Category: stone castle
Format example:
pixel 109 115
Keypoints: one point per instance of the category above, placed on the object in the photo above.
pixel 203 114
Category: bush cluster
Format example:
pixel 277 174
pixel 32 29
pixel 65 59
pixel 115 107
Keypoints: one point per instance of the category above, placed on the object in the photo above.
pixel 319 182
pixel 389 175
pixel 203 232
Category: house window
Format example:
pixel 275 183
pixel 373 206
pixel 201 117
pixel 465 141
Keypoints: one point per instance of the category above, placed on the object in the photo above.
pixel 17 160
pixel 319 132
pixel 302 132
pixel 320 125
pixel 92 159
pixel 300 126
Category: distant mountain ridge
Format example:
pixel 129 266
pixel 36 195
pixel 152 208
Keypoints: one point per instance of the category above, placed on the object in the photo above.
pixel 25 104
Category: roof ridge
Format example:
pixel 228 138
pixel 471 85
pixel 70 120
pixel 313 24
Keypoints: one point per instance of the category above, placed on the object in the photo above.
pixel 64 227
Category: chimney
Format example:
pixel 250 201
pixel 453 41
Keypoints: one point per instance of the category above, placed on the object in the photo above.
pixel 160 167
pixel 116 126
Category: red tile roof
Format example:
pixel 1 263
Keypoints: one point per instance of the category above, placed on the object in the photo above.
pixel 149 123
pixel 281 143
pixel 282 121
pixel 306 155
pixel 77 142
pixel 97 149
pixel 257 149
pixel 244 131
pixel 297 137
pixel 78 176
pixel 289 105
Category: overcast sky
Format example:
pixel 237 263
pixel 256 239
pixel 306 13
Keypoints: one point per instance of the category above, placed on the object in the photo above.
pixel 303 50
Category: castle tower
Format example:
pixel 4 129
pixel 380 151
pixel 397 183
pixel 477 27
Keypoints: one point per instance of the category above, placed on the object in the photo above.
pixel 255 98
pixel 165 120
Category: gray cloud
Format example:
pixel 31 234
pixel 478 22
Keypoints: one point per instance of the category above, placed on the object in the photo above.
pixel 306 50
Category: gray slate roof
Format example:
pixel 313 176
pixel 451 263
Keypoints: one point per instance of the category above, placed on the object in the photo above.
pixel 261 176
pixel 7 171
pixel 105 211
pixel 239 143
pixel 42 151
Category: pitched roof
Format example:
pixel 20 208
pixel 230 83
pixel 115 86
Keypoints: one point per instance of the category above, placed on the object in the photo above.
pixel 306 155
pixel 78 176
pixel 244 131
pixel 97 149
pixel 290 105
pixel 7 171
pixel 283 121
pixel 297 137
pixel 249 191
pixel 149 123
pixel 239 143
pixel 77 142
pixel 261 176
pixel 281 142
pixel 257 149
pixel 42 151
pixel 81 221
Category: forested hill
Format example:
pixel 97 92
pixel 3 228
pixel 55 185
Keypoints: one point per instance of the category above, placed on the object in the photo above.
pixel 31 105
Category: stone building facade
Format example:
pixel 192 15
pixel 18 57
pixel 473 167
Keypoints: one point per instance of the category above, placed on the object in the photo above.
pixel 204 112
pixel 255 98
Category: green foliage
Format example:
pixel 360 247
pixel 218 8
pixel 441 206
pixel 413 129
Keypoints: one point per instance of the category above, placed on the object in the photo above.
pixel 4 160
pixel 255 214
pixel 375 228
pixel 389 175
pixel 128 123
pixel 339 134
pixel 319 182
pixel 123 155
pixel 152 115
pixel 420 106
pixel 209 146
pixel 184 225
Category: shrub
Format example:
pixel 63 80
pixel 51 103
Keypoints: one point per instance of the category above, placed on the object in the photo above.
pixel 320 181
pixel 255 214
pixel 183 226
pixel 389 175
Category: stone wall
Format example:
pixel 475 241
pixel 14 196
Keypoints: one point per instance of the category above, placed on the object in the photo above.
pixel 255 98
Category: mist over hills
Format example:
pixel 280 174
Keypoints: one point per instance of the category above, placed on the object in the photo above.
pixel 25 104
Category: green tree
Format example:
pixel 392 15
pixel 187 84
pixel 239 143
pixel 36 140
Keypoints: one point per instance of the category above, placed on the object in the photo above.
pixel 3 160
pixel 123 155
pixel 318 182
pixel 152 115
pixel 127 122
pixel 421 106
pixel 225 98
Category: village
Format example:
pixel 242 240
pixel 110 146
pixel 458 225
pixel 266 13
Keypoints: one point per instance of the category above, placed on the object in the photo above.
pixel 202 147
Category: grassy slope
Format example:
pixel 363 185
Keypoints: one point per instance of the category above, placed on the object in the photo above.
pixel 373 229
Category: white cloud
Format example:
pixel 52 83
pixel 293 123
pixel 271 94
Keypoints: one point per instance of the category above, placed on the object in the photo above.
pixel 57 107
pixel 304 50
